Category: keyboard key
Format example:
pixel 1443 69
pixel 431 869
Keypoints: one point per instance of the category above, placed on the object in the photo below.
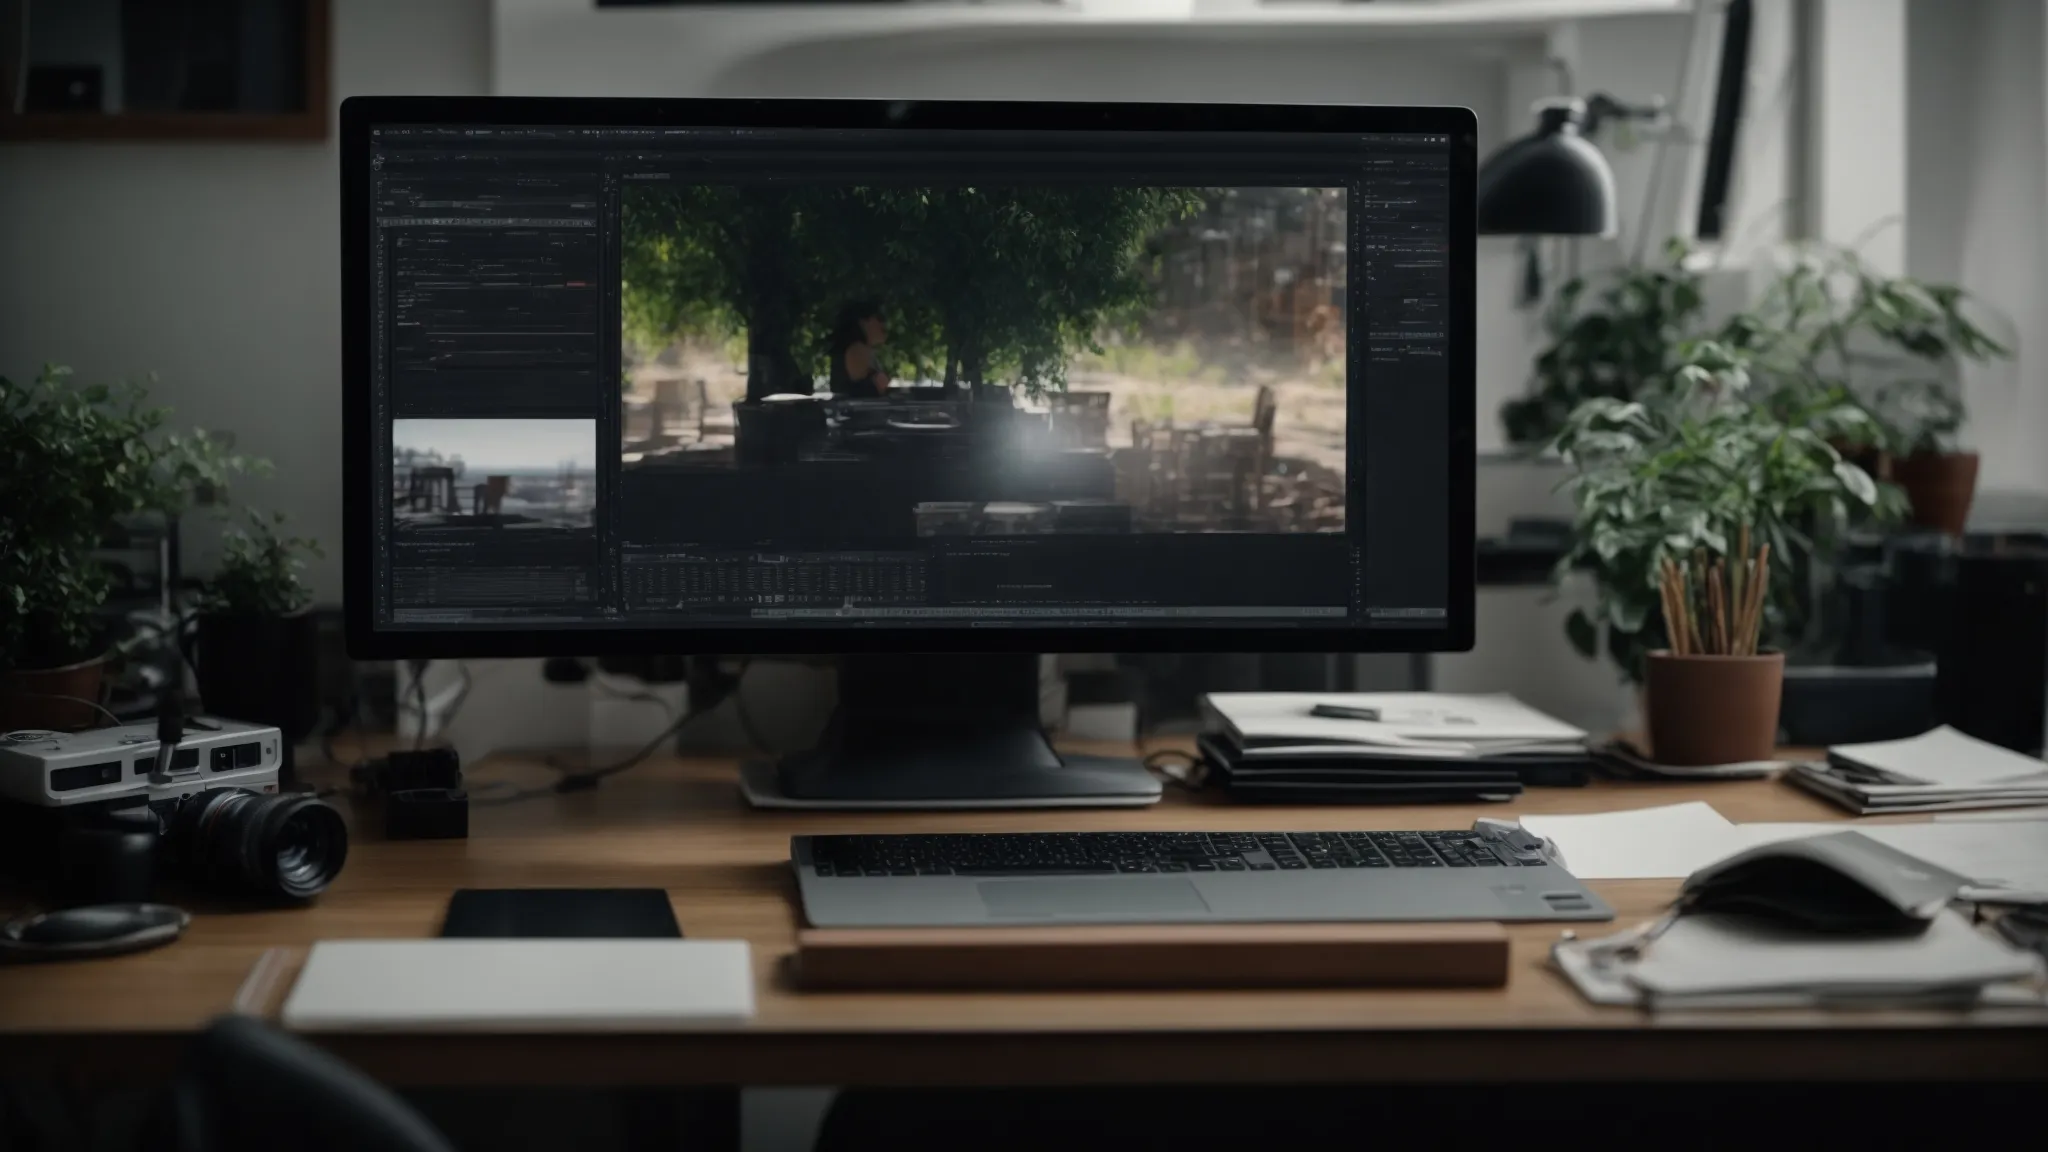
pixel 1203 866
pixel 1322 863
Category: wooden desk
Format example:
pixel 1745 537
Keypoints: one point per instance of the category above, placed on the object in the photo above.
pixel 680 825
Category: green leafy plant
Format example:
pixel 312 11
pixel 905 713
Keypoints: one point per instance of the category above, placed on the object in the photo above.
pixel 78 458
pixel 1610 344
pixel 1916 416
pixel 262 570
pixel 1684 469
pixel 1832 327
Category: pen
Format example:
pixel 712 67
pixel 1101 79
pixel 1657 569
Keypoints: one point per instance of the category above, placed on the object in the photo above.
pixel 1344 712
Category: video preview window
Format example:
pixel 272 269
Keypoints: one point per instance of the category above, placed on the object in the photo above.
pixel 893 362
pixel 496 479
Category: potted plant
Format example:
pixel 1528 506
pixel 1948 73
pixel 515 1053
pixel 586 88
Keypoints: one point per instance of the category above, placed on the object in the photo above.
pixel 1681 476
pixel 78 457
pixel 1919 419
pixel 1894 345
pixel 1623 339
pixel 257 644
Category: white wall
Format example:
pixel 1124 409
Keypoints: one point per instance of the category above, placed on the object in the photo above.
pixel 1858 164
pixel 2002 254
pixel 217 265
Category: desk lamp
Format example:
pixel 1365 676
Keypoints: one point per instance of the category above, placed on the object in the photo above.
pixel 1554 182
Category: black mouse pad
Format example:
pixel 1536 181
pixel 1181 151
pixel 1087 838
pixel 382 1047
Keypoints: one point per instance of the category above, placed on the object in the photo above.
pixel 561 913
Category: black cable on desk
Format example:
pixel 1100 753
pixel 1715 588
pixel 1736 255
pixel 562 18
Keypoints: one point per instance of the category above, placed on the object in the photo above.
pixel 583 779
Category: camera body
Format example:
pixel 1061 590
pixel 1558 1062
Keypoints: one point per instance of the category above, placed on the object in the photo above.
pixel 111 767
pixel 71 807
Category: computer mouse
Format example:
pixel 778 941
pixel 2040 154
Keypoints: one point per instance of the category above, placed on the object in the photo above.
pixel 92 930
pixel 1839 882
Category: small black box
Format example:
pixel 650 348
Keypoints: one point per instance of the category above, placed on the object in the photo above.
pixel 427 814
pixel 429 768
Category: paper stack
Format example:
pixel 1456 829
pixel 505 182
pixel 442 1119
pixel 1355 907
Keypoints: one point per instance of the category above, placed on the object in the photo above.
pixel 1943 770
pixel 1390 746
pixel 1718 961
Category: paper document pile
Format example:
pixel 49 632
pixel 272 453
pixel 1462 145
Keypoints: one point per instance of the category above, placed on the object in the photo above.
pixel 1719 961
pixel 1361 747
pixel 1418 725
pixel 1943 770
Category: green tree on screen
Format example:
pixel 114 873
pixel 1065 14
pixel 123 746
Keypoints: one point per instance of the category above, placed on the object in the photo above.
pixel 980 285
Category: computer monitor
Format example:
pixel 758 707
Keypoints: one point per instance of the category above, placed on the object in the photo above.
pixel 938 386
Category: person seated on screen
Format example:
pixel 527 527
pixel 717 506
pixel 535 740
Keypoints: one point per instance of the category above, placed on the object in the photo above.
pixel 855 336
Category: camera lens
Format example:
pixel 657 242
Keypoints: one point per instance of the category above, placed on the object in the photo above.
pixel 289 846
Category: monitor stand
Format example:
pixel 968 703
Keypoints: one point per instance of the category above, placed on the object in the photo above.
pixel 949 731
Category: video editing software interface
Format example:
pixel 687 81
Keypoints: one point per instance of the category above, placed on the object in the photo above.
pixel 660 377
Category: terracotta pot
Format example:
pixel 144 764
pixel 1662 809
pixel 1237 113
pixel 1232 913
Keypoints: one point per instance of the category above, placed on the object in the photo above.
pixel 26 696
pixel 1940 486
pixel 1713 709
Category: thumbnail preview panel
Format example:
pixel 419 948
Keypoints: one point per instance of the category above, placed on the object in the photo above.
pixel 829 365
pixel 530 480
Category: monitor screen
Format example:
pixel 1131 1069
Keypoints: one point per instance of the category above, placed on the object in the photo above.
pixel 644 378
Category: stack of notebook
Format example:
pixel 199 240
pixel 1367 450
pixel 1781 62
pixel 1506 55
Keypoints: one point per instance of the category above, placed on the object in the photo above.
pixel 1383 747
pixel 1939 771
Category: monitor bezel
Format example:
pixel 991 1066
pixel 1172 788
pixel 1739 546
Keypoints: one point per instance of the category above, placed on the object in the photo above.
pixel 359 114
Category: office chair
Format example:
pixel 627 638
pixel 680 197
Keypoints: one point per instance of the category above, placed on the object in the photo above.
pixel 248 1088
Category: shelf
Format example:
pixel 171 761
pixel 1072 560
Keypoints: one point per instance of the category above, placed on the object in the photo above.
pixel 785 24
pixel 1394 17
pixel 162 126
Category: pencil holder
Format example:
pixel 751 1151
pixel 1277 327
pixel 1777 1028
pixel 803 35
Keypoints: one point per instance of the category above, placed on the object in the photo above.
pixel 1713 709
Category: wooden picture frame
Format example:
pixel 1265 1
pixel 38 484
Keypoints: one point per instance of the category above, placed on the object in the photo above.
pixel 312 122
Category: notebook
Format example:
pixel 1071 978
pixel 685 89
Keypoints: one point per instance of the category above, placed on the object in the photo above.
pixel 1418 724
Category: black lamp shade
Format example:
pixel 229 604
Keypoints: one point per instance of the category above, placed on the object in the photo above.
pixel 1552 182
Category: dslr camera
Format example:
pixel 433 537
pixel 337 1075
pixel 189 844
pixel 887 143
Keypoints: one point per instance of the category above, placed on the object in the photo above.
pixel 90 810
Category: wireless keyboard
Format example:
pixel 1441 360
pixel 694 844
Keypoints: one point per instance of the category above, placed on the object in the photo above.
pixel 1091 877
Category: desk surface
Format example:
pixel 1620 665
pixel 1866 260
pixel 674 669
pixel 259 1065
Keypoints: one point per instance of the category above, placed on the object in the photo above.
pixel 680 825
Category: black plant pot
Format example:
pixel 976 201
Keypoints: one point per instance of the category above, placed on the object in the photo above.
pixel 263 670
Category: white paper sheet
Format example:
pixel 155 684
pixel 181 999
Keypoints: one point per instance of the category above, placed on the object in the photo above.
pixel 1644 843
pixel 2010 855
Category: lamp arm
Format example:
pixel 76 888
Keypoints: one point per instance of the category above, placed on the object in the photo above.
pixel 1601 107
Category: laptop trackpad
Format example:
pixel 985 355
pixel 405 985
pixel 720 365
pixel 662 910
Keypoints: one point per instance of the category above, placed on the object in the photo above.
pixel 1107 897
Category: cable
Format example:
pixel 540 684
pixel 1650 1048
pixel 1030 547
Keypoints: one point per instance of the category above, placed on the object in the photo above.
pixel 454 706
pixel 113 720
pixel 1183 768
pixel 617 693
pixel 576 779
pixel 419 691
pixel 426 709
